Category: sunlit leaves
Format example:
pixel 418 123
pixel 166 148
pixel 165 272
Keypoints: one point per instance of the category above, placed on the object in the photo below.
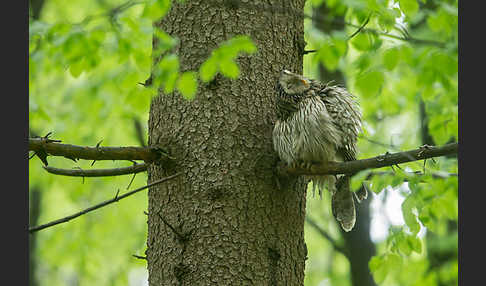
pixel 187 85
pixel 358 179
pixel 166 72
pixel 444 20
pixel 156 9
pixel 164 42
pixel 409 7
pixel 391 57
pixel 409 214
pixel 387 18
pixel 391 73
pixel 366 42
pixel 332 50
pixel 384 265
pixel 370 83
pixel 223 58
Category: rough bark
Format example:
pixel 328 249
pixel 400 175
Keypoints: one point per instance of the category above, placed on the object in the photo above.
pixel 358 242
pixel 224 221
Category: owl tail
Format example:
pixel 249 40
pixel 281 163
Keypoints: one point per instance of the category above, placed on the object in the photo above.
pixel 342 203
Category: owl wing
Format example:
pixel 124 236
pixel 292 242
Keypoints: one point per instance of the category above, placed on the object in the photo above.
pixel 346 116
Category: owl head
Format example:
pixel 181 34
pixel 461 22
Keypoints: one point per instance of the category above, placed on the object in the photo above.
pixel 293 83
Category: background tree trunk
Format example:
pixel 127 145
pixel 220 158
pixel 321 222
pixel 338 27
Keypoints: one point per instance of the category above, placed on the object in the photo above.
pixel 34 211
pixel 358 241
pixel 224 222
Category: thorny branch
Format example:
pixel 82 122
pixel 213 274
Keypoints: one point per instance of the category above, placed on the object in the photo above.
pixel 351 167
pixel 43 146
pixel 100 205
pixel 113 12
pixel 137 168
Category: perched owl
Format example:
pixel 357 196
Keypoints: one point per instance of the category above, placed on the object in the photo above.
pixel 318 123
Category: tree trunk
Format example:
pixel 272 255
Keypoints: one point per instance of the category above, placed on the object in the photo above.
pixel 360 247
pixel 224 221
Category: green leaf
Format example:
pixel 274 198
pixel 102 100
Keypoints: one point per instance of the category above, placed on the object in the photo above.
pixel 443 21
pixel 375 263
pixel 381 266
pixel 187 85
pixel 415 243
pixel 77 67
pixel 242 43
pixel 357 179
pixel 391 58
pixel 364 41
pixel 164 42
pixel 328 56
pixel 167 72
pixel 229 69
pixel 370 83
pixel 409 216
pixel 403 245
pixel 208 69
pixel 387 18
pixel 409 7
pixel 222 59
pixel 156 9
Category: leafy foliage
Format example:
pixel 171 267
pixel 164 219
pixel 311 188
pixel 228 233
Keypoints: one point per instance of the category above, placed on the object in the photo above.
pixel 86 61
pixel 405 54
pixel 223 58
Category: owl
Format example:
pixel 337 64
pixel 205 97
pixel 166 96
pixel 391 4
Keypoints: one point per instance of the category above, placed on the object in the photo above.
pixel 317 123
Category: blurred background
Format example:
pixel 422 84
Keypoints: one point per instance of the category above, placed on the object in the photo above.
pixel 88 58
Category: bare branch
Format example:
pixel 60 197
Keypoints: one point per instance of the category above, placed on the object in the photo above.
pixel 112 13
pixel 351 167
pixel 100 205
pixel 137 168
pixel 139 131
pixel 437 175
pixel 331 240
pixel 360 28
pixel 53 148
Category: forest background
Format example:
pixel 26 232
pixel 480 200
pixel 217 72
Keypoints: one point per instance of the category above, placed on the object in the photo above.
pixel 87 60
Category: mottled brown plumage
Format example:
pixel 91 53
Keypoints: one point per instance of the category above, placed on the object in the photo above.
pixel 318 123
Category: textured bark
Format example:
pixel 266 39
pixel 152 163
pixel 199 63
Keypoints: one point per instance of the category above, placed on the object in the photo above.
pixel 224 222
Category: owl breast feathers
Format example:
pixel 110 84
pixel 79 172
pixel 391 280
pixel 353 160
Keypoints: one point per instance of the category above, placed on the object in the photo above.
pixel 315 123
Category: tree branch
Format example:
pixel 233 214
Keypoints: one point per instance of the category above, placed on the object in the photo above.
pixel 137 168
pixel 351 167
pixel 43 145
pixel 234 4
pixel 100 205
pixel 331 240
